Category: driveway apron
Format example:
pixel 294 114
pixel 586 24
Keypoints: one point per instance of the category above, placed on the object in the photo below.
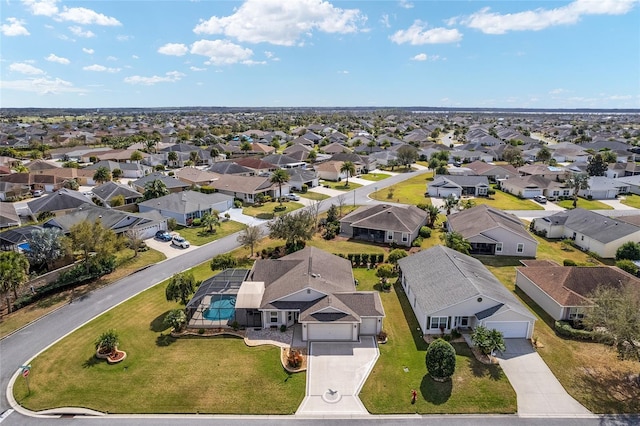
pixel 335 374
pixel 538 391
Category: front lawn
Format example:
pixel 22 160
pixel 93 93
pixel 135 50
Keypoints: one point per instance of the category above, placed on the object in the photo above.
pixel 267 208
pixel 410 191
pixel 585 204
pixel 474 388
pixel 340 186
pixel 160 374
pixel 200 235
pixel 631 200
pixel 375 177
pixel 314 195
pixel 503 201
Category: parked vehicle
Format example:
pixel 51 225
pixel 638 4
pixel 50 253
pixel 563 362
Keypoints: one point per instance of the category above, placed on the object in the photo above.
pixel 163 236
pixel 38 193
pixel 179 241
pixel 292 197
pixel 540 198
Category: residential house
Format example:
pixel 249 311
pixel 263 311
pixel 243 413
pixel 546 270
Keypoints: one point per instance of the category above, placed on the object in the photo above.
pixel 108 190
pixel 284 161
pixel 633 182
pixel 330 170
pixel 564 292
pixel 194 176
pixel 588 230
pixel 458 186
pixel 299 177
pixel 246 188
pixel 11 190
pixel 384 223
pixel 172 184
pixel 230 168
pixel 336 148
pixel 449 290
pixel 58 202
pixel 604 188
pixel 549 172
pixel 493 232
pixel 131 170
pixel 8 215
pixel 187 205
pixel 259 166
pixel 493 172
pixel 534 185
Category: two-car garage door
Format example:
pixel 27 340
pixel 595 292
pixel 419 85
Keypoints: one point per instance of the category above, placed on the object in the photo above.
pixel 330 332
pixel 510 329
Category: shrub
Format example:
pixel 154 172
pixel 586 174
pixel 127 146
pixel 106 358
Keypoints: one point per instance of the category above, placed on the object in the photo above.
pixel 364 258
pixel 440 360
pixel 107 341
pixel 294 359
pixel 628 266
pixel 283 328
pixel 380 258
pixel 223 261
pixel 491 192
pixel 417 242
pixel 172 224
pixel 423 206
pixel 350 257
pixel 196 222
pixel 569 262
pixel 279 208
pixel 175 319
pixel 356 259
pixel 266 216
pixel 564 329
pixel 206 189
pixel 237 204
pixel 396 255
pixel 201 331
pixel 304 188
pixel 425 232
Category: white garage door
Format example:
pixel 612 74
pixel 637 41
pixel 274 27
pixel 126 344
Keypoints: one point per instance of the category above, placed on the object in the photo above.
pixel 329 331
pixel 509 329
pixel 369 326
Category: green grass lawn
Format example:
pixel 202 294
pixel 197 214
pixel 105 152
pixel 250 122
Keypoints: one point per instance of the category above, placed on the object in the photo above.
pixel 160 374
pixel 474 388
pixel 631 200
pixel 340 186
pixel 199 235
pixel 375 177
pixel 411 191
pixel 268 208
pixel 127 264
pixel 314 196
pixel 585 204
pixel 502 200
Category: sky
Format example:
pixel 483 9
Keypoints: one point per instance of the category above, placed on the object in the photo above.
pixel 324 53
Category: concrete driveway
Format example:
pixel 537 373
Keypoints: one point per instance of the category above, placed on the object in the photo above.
pixel 335 374
pixel 169 250
pixel 538 391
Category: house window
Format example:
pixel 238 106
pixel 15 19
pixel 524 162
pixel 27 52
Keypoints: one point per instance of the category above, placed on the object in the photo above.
pixel 576 313
pixel 581 237
pixel 498 247
pixel 389 235
pixel 289 316
pixel 437 322
pixel 274 316
pixel 520 248
pixel 405 237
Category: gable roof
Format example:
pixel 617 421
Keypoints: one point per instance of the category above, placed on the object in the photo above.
pixel 192 174
pixel 61 200
pixel 600 228
pixel 441 277
pixel 481 218
pixel 186 201
pixel 387 217
pixel 229 168
pixel 444 180
pixel 243 184
pixel 110 189
pixel 116 220
pixel 169 182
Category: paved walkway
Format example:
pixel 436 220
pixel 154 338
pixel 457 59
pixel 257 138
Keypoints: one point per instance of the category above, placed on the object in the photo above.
pixel 617 205
pixel 538 391
pixel 238 216
pixel 335 375
pixel 327 191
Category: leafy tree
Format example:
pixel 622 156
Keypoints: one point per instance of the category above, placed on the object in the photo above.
pixel 117 173
pixel 456 241
pixel 71 184
pixel 296 228
pixel 279 177
pixel 245 147
pixel 597 166
pixel 88 237
pixel 395 255
pixel 577 182
pixel 102 175
pixel 250 236
pixel 627 266
pixel 107 342
pixel 194 156
pixel 609 156
pixel 136 156
pixel 215 152
pixel 172 157
pixel 117 200
pixel 176 319
pixel 14 271
pixel 332 214
pixel 349 168
pixel 154 189
pixel 513 156
pixel 223 261
pixel 407 155
pixel 544 154
pixel 629 250
pixel 617 311
pixel 433 212
pixel 211 220
pixel 384 272
pixel 312 156
pixel 440 360
pixel 488 340
pixel 46 245
pixel 180 287
pixel 134 235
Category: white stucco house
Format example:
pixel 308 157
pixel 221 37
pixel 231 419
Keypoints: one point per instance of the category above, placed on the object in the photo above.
pixel 449 290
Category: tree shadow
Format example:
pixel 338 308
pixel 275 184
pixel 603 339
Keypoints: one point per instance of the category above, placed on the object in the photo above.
pixel 157 325
pixel 482 370
pixel 410 316
pixel 91 361
pixel 165 340
pixel 612 391
pixel 434 392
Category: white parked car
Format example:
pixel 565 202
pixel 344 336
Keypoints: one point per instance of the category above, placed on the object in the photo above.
pixel 292 197
pixel 179 241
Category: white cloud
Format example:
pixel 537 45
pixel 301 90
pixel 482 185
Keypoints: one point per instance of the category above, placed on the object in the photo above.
pixel 123 38
pixel 197 69
pixel 42 86
pixel 111 58
pixel 282 22
pixel 534 20
pixel 418 34
pixel 557 91
pixel 420 57
pixel 385 21
pixel 221 52
pixel 170 77
pixel 58 59
pixel 174 49
pixel 79 32
pixel 42 7
pixel 84 16
pixel 135 56
pixel 15 27
pixel 271 56
pixel 100 68
pixel 25 68
pixel 405 4
pixel 88 51
pixel 343 72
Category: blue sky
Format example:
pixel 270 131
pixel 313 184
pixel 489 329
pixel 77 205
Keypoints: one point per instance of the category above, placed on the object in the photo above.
pixel 279 53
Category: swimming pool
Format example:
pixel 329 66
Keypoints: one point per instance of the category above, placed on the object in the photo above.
pixel 221 308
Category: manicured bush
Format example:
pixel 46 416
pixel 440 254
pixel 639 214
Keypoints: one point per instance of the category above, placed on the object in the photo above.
pixel 417 242
pixel 396 255
pixel 380 258
pixel 564 329
pixel 205 189
pixel 440 360
pixel 628 266
pixel 364 258
pixel 279 208
pixel 223 261
pixel 304 188
pixel 350 257
pixel 266 216
pixel 237 204
pixel 425 232
pixel 356 259
pixel 569 262
pixel 196 222
pixel 283 328
pixel 176 319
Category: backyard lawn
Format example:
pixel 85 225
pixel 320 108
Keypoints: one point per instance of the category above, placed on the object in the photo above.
pixel 267 208
pixel 585 204
pixel 474 388
pixel 200 235
pixel 411 191
pixel 631 200
pixel 502 200
pixel 374 177
pixel 340 186
pixel 160 374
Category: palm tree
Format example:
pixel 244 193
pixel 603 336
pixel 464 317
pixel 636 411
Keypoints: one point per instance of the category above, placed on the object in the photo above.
pixel 349 168
pixel 107 342
pixel 214 153
pixel 194 156
pixel 280 176
pixel 209 220
pixel 172 157
pixel 150 145
pixel 102 175
pixel 433 212
pixel 577 182
pixel 455 240
pixel 450 203
pixel 136 156
pixel 154 189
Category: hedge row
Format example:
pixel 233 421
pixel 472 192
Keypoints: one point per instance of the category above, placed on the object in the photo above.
pixel 564 329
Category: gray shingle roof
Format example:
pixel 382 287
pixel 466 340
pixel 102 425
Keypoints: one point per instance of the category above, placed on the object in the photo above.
pixel 600 228
pixel 387 217
pixel 63 199
pixel 186 201
pixel 476 220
